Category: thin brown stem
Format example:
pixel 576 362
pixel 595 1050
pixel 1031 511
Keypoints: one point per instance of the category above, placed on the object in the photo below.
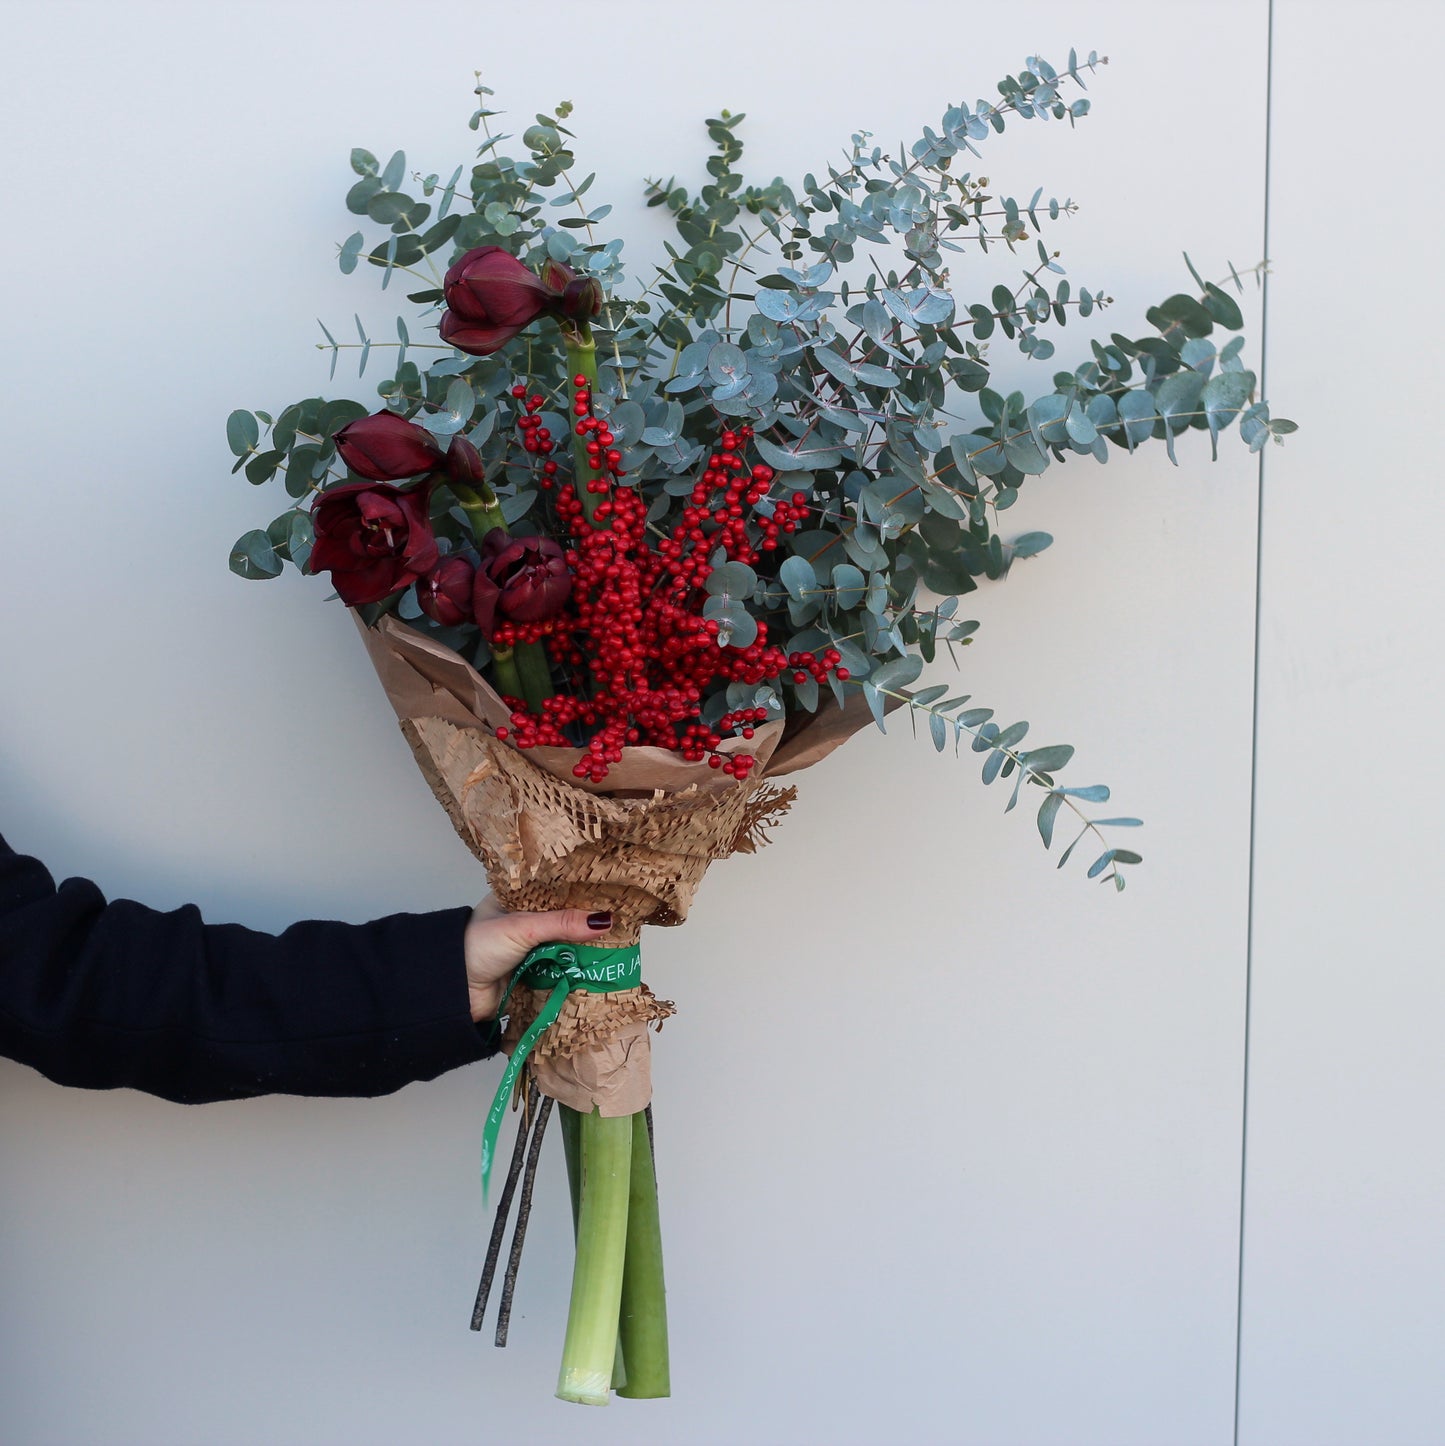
pixel 524 1211
pixel 499 1223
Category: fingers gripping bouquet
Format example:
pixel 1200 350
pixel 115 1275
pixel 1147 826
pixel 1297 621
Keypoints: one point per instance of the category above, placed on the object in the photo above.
pixel 623 560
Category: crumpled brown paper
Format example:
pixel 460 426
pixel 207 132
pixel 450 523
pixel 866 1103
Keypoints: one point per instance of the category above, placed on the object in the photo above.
pixel 637 844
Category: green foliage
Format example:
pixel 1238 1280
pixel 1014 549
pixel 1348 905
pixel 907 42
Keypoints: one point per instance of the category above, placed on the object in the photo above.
pixel 254 556
pixel 832 316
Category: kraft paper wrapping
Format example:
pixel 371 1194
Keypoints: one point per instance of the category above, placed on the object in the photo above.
pixel 637 844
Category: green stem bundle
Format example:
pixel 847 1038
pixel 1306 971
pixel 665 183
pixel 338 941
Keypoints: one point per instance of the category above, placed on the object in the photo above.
pixel 639 1354
pixel 643 1326
pixel 534 674
pixel 590 1350
pixel 504 672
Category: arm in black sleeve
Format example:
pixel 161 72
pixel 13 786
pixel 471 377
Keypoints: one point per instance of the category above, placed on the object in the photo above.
pixel 101 995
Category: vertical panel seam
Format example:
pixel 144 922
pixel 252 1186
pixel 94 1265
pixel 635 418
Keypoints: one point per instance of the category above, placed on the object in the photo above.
pixel 1254 736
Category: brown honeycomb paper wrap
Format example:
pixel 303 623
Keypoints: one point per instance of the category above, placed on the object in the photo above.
pixel 638 844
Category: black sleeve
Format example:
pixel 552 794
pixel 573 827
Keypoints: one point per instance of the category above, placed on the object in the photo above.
pixel 103 995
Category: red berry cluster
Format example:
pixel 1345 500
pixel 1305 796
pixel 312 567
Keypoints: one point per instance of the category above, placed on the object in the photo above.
pixel 603 459
pixel 535 437
pixel 818 665
pixel 720 496
pixel 635 630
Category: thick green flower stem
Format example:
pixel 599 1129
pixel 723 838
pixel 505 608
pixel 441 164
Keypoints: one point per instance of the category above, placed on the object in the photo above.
pixel 643 1326
pixel 483 510
pixel 572 1151
pixel 523 672
pixel 590 1350
pixel 582 362
pixel 520 672
pixel 505 674
pixel 535 673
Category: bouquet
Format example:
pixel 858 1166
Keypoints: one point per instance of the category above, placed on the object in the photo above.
pixel 625 557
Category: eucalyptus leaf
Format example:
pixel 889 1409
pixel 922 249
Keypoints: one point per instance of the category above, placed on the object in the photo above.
pixel 735 580
pixel 1181 315
pixel 1224 397
pixel 254 557
pixel 1024 453
pixel 395 170
pixel 1048 812
pixel 1222 307
pixel 805 457
pixel 896 673
pixel 242 433
pixel 797 575
pixel 1030 544
pixel 1050 759
pixel 1139 414
pixel 850 585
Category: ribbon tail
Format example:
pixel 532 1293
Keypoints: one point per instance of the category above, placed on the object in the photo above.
pixel 546 1016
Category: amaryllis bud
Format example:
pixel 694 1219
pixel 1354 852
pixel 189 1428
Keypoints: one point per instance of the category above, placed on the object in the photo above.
pixel 445 593
pixel 386 448
pixel 374 539
pixel 488 285
pixel 557 276
pixel 464 463
pixel 522 579
pixel 581 299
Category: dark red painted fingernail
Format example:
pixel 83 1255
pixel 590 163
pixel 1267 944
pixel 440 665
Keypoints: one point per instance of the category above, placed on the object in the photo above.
pixel 601 920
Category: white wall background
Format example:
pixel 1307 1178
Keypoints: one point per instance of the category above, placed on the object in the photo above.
pixel 983 1185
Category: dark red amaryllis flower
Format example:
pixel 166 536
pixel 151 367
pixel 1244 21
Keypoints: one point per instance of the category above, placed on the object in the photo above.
pixel 373 538
pixel 521 580
pixel 445 593
pixel 491 296
pixel 386 448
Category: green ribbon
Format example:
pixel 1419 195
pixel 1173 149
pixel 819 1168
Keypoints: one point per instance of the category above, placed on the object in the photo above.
pixel 560 968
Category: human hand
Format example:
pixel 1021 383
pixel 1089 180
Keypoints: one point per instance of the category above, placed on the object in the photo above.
pixel 495 943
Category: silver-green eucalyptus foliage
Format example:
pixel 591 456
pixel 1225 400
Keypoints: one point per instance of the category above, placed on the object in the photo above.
pixel 844 320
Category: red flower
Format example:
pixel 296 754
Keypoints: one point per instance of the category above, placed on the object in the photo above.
pixel 445 593
pixel 525 579
pixel 374 539
pixel 464 463
pixel 491 296
pixel 386 448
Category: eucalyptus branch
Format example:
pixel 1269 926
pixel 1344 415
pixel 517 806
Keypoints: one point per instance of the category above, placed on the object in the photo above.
pixel 436 275
pixel 985 112
pixel 897 609
pixel 1030 279
pixel 381 346
pixel 733 279
pixel 1018 759
pixel 397 266
pixel 1102 427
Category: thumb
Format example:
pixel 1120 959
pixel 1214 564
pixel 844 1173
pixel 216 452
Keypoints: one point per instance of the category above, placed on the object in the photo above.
pixel 560 926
